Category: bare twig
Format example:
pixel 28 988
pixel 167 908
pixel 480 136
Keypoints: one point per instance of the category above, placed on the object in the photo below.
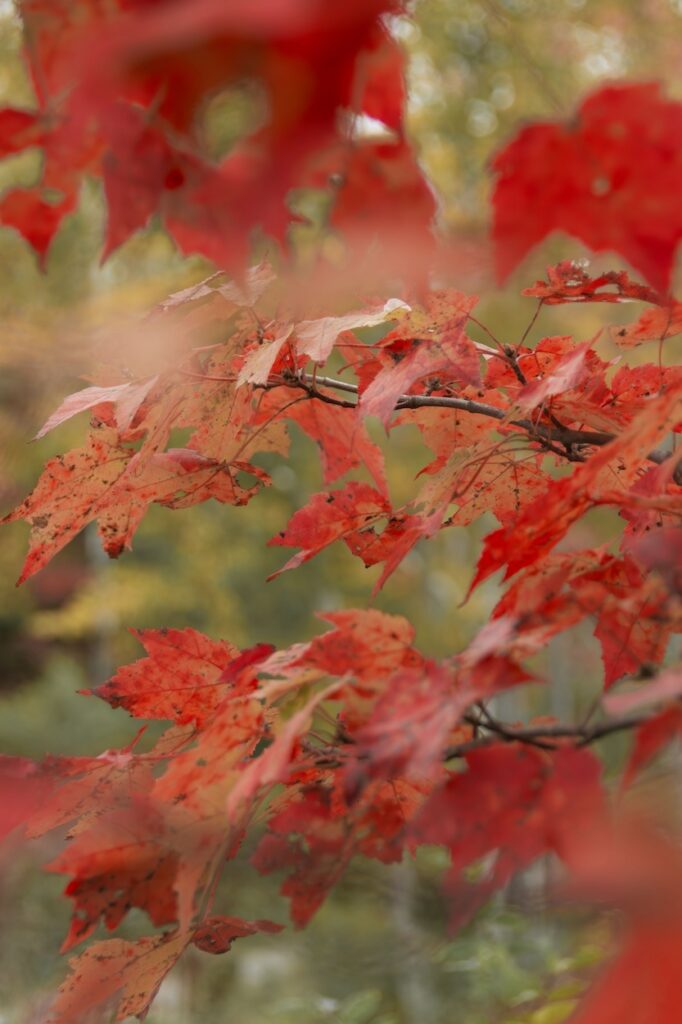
pixel 546 737
pixel 487 731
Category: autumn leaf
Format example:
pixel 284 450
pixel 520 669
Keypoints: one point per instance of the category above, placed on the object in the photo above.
pixel 23 788
pixel 180 679
pixel 365 643
pixel 217 933
pixel 118 977
pixel 650 738
pixel 69 495
pixel 316 338
pixel 545 521
pixel 18 130
pixel 518 802
pixel 308 836
pixel 608 178
pixel 447 354
pixel 272 766
pixel 313 834
pixel 259 363
pixel 568 372
pixel 381 204
pixel 124 860
pixel 108 481
pixel 82 788
pixel 381 73
pixel 642 985
pixel 121 113
pixel 327 517
pixel 394 543
pixel 633 616
pixel 343 441
pixel 407 732
pixel 127 399
pixel 569 281
pixel 665 686
pixel 653 325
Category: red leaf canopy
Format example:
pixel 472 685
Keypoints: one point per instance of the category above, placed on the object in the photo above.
pixel 122 90
pixel 355 743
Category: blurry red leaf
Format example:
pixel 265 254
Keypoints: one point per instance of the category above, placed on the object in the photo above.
pixel 569 282
pixel 364 643
pixel 651 737
pixel 516 801
pixel 217 933
pixel 23 788
pixel 316 338
pixel 665 686
pixel 124 860
pixel 126 397
pixel 343 441
pixel 117 977
pixel 546 520
pixel 609 177
pixel 643 984
pixel 653 325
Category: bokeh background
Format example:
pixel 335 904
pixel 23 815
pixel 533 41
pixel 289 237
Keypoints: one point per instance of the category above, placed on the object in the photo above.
pixel 378 952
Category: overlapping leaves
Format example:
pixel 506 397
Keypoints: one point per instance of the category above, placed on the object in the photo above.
pixel 352 744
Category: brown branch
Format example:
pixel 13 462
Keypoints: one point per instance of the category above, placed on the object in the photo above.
pixel 542 736
pixel 513 361
pixel 539 432
pixel 312 390
pixel 488 731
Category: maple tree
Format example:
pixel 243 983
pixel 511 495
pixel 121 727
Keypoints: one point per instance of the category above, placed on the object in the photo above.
pixel 356 742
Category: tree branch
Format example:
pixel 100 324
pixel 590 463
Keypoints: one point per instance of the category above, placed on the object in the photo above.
pixel 542 736
pixel 489 730
pixel 539 432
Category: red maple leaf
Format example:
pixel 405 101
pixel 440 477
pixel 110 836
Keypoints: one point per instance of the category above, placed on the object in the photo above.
pixel 442 351
pixel 643 985
pixel 364 643
pixel 180 680
pixel 653 325
pixel 569 281
pixel 546 520
pixel 117 976
pixel 124 860
pixel 121 90
pixel 328 517
pixel 23 788
pixel 518 802
pixel 609 177
pixel 651 737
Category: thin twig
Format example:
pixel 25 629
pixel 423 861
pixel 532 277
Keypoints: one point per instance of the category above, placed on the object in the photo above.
pixel 488 731
pixel 531 324
pixel 543 736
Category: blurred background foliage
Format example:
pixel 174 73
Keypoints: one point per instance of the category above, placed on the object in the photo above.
pixel 376 954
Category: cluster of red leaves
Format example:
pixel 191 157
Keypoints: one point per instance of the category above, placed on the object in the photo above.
pixel 360 768
pixel 354 743
pixel 610 177
pixel 122 89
